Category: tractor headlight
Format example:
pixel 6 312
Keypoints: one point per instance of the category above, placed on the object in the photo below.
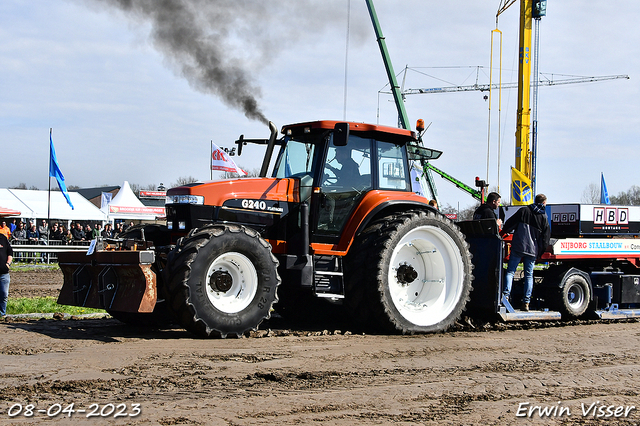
pixel 185 199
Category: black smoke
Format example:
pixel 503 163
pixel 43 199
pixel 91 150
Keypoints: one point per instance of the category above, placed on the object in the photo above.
pixel 193 36
pixel 217 45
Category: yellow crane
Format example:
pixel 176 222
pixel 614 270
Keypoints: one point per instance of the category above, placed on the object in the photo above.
pixel 523 174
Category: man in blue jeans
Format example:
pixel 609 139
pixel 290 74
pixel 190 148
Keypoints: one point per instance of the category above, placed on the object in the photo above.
pixel 6 257
pixel 530 239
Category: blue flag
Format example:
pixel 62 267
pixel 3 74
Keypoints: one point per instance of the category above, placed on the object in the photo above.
pixel 54 171
pixel 604 194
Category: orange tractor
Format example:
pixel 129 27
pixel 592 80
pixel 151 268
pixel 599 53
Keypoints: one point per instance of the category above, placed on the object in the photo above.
pixel 336 223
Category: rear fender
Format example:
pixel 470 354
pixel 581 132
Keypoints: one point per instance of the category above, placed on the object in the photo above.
pixel 373 205
pixel 556 277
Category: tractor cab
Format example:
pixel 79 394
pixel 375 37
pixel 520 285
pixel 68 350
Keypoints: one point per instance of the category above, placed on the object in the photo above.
pixel 339 163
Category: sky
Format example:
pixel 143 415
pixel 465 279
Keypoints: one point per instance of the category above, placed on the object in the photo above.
pixel 125 101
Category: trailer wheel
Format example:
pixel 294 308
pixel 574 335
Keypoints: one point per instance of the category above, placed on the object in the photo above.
pixel 222 281
pixel 417 273
pixel 575 295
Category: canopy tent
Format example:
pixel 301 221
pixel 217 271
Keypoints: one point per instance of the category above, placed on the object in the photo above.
pixel 34 204
pixel 5 212
pixel 125 205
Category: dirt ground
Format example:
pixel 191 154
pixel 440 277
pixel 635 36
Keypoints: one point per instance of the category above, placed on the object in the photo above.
pixel 492 375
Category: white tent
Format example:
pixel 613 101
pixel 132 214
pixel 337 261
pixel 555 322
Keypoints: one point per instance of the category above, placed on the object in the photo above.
pixel 34 204
pixel 125 205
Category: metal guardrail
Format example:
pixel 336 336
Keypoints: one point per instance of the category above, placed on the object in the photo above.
pixel 44 251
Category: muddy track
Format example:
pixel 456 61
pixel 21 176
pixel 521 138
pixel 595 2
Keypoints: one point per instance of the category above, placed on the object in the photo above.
pixel 483 373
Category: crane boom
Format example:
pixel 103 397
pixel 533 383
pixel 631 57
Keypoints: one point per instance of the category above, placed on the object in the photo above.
pixel 487 87
pixel 458 183
pixel 403 118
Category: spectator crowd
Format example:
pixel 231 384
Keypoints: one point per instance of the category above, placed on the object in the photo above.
pixel 19 232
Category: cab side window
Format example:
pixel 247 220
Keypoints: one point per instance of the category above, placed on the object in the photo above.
pixel 392 167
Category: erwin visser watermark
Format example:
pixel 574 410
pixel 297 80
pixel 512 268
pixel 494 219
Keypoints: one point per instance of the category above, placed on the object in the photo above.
pixel 595 409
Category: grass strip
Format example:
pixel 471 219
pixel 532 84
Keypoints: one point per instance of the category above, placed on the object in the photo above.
pixel 44 305
pixel 18 266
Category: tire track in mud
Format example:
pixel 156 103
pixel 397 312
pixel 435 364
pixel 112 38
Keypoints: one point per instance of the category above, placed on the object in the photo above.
pixel 173 373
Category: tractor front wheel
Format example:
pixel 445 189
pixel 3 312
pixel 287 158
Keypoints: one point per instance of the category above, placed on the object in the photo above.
pixel 222 281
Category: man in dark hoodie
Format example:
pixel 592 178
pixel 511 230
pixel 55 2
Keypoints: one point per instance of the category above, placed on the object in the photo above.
pixel 530 239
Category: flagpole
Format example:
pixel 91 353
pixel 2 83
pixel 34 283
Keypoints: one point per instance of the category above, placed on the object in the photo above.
pixel 49 194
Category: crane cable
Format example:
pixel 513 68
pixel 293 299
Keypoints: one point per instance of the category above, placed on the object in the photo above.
pixel 504 5
pixel 493 33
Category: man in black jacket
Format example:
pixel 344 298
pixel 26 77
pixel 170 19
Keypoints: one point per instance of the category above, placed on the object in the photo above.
pixel 78 233
pixel 487 210
pixel 530 239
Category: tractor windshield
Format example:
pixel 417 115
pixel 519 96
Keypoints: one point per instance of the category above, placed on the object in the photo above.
pixel 295 159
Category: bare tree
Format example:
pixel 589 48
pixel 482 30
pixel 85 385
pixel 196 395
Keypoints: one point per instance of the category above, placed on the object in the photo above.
pixel 135 187
pixel 628 198
pixel 184 180
pixel 631 197
pixel 591 194
pixel 21 185
pixel 634 195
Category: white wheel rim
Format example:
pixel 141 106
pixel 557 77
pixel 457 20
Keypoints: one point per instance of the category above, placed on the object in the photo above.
pixel 436 291
pixel 575 296
pixel 244 282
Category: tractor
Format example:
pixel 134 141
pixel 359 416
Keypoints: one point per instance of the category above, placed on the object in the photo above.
pixel 336 224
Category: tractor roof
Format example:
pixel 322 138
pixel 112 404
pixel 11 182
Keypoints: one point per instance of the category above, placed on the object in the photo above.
pixel 391 134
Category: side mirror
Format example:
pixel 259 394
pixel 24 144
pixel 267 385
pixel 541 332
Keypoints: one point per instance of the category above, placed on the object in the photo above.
pixel 340 134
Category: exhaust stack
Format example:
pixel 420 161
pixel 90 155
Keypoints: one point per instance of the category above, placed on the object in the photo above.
pixel 269 153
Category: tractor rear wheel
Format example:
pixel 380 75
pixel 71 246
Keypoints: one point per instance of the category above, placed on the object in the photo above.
pixel 417 273
pixel 222 280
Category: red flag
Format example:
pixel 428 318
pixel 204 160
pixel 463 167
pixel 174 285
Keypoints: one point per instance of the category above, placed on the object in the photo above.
pixel 220 160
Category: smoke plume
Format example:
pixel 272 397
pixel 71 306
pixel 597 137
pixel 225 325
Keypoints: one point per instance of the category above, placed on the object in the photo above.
pixel 196 38
pixel 216 44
